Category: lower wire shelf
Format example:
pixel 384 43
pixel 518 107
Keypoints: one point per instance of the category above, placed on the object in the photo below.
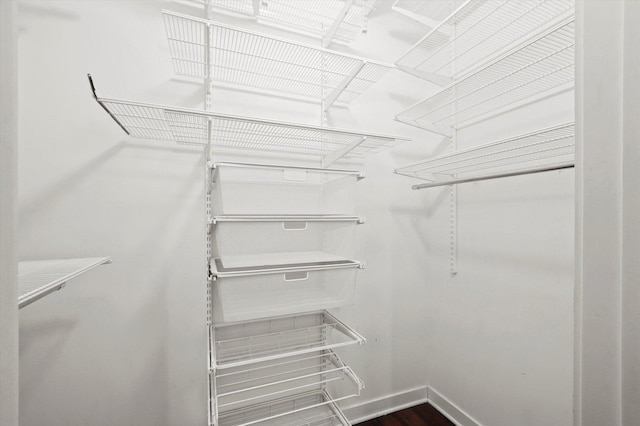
pixel 249 342
pixel 307 409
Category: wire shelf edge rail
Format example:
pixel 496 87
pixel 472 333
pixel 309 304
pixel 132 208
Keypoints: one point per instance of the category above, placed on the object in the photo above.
pixel 38 278
pixel 200 127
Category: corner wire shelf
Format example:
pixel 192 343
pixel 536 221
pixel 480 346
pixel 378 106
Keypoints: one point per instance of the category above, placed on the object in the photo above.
pixel 241 58
pixel 329 20
pixel 249 342
pixel 544 150
pixel 38 278
pixel 476 30
pixel 427 12
pixel 544 63
pixel 198 127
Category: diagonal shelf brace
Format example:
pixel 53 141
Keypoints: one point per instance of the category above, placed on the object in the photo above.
pixel 333 96
pixel 329 159
pixel 331 31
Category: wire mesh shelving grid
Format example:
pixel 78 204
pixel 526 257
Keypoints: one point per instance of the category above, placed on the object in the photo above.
pixel 245 58
pixel 197 127
pixel 548 147
pixel 544 63
pixel 266 381
pixel 37 278
pixel 330 20
pixel 307 409
pixel 248 342
pixel 476 30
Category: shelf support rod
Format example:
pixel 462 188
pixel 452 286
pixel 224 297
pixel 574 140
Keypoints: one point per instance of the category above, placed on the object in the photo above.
pixel 496 176
pixel 329 159
pixel 331 32
pixel 331 98
pixel 427 126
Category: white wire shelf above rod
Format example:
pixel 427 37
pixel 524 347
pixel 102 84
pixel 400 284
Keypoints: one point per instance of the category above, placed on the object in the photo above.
pixel 198 127
pixel 328 20
pixel 476 30
pixel 246 59
pixel 38 278
pixel 544 63
pixel 544 150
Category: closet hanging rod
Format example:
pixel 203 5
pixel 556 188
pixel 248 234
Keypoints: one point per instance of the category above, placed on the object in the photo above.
pixel 495 176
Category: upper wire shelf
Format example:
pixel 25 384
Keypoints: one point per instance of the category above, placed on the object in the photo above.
pixel 548 149
pixel 543 63
pixel 329 20
pixel 474 31
pixel 242 58
pixel 38 278
pixel 198 127
pixel 249 342
pixel 428 12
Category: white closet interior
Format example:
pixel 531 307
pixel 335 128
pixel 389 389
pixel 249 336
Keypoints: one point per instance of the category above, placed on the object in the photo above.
pixel 252 179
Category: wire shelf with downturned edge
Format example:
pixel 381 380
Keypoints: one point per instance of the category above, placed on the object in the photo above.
pixel 198 127
pixel 38 278
pixel 476 30
pixel 548 149
pixel 247 59
pixel 544 63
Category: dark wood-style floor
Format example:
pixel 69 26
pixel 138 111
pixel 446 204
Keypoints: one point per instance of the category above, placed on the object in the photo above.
pixel 420 415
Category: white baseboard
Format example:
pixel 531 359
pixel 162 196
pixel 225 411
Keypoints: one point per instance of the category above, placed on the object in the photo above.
pixel 384 405
pixel 449 409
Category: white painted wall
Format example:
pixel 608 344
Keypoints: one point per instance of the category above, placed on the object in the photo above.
pixel 128 340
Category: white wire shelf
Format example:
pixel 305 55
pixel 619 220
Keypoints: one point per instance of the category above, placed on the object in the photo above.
pixel 247 59
pixel 548 149
pixel 329 20
pixel 248 342
pixel 307 409
pixel 476 30
pixel 544 63
pixel 287 218
pixel 279 263
pixel 198 127
pixel 38 278
pixel 264 382
pixel 428 12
